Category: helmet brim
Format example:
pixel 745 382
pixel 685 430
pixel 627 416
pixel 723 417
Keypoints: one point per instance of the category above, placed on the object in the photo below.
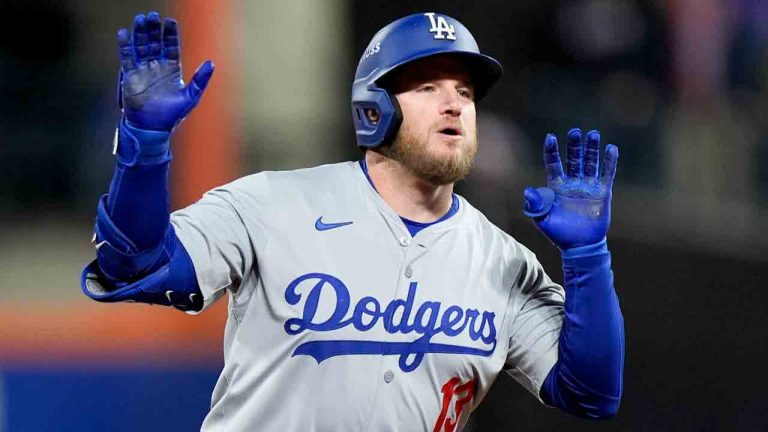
pixel 485 70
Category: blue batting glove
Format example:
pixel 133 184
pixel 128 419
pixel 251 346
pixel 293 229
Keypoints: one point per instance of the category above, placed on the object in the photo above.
pixel 575 209
pixel 151 89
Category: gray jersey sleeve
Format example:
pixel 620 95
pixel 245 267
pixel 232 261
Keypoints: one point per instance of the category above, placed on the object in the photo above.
pixel 537 311
pixel 215 232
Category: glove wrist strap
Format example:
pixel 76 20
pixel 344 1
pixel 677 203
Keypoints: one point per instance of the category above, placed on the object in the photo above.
pixel 135 147
pixel 598 248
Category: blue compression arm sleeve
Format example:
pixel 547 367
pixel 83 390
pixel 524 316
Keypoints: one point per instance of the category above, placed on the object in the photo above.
pixel 147 262
pixel 587 379
pixel 138 195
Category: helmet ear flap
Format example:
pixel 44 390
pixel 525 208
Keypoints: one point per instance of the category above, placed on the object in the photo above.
pixel 377 117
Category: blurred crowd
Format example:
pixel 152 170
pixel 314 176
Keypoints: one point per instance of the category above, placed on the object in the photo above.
pixel 681 86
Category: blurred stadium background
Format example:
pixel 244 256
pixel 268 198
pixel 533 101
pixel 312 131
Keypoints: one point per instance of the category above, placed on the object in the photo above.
pixel 681 86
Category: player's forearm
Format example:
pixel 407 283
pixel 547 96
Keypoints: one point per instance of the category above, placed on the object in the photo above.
pixel 139 257
pixel 132 221
pixel 587 379
pixel 138 196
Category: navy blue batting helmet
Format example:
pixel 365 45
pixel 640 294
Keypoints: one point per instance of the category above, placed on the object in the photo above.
pixel 403 41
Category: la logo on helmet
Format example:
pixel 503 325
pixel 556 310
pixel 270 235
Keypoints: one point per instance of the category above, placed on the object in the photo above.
pixel 440 25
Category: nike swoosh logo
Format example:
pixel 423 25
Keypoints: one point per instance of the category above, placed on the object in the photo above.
pixel 321 226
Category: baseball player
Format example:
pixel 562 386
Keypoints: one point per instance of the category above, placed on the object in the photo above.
pixel 366 295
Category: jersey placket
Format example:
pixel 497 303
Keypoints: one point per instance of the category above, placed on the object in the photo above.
pixel 389 371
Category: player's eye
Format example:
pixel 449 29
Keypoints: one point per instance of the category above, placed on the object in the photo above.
pixel 466 93
pixel 426 88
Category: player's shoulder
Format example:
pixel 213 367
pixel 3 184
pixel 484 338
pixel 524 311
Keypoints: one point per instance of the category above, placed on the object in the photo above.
pixel 280 182
pixel 476 220
pixel 320 175
pixel 491 234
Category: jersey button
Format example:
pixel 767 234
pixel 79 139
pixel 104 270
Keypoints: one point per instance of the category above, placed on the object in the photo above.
pixel 408 272
pixel 388 376
pixel 405 241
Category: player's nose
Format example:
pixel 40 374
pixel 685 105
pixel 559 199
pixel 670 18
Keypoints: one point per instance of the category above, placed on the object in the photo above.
pixel 451 102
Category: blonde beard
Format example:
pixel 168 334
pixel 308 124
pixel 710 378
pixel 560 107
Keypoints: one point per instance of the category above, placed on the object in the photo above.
pixel 412 153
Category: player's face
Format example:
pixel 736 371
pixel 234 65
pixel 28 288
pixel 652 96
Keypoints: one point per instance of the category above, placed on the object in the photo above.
pixel 437 140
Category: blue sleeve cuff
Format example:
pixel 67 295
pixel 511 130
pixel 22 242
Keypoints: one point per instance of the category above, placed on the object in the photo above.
pixel 172 283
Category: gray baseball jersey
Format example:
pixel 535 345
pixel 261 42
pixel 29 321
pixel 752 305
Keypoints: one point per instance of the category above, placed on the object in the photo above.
pixel 339 320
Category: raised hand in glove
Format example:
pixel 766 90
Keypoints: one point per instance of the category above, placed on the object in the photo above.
pixel 151 90
pixel 574 210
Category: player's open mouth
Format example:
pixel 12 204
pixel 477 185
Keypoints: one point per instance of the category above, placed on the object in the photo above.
pixel 451 131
